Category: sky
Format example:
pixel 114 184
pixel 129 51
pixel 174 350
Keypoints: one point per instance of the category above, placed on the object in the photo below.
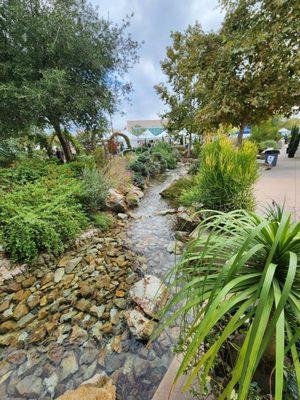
pixel 152 24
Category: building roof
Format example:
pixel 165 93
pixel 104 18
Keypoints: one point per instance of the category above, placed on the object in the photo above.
pixel 156 131
pixel 146 124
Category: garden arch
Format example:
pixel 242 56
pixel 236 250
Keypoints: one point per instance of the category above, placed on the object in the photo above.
pixel 125 137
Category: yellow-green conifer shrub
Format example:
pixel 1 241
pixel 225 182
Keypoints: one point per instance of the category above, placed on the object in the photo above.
pixel 226 176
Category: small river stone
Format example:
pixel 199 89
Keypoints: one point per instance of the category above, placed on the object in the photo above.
pixel 73 264
pixel 97 311
pixel 68 366
pixel 51 383
pixel 58 275
pixel 30 386
pixel 89 371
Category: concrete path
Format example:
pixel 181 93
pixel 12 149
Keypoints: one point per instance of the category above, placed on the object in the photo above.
pixel 166 389
pixel 280 184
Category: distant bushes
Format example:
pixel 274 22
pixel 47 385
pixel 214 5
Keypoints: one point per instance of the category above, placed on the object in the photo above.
pixel 153 162
pixel 267 144
pixel 265 131
pixel 226 177
pixel 167 152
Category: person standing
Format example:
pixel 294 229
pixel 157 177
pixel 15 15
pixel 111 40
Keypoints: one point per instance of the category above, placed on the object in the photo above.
pixel 59 155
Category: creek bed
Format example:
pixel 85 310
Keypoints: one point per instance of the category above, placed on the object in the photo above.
pixel 55 346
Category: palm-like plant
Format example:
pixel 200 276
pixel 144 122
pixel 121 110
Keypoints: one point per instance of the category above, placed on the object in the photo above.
pixel 244 268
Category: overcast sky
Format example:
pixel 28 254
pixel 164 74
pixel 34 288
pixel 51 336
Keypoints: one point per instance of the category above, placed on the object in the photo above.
pixel 152 23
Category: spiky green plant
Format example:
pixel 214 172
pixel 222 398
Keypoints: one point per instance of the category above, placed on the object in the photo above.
pixel 243 268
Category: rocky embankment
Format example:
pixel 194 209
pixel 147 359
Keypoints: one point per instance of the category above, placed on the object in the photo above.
pixel 79 301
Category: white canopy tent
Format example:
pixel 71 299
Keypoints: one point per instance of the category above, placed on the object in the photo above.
pixel 284 131
pixel 162 135
pixel 146 136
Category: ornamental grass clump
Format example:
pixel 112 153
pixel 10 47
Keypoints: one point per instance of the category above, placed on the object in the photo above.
pixel 243 269
pixel 226 177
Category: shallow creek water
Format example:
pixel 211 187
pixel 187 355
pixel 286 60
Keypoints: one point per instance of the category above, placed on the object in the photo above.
pixel 40 369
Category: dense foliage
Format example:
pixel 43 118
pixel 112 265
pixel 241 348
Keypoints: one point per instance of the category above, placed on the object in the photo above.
pixel 60 63
pixel 225 178
pixel 241 269
pixel 43 205
pixel 241 75
pixel 152 162
pixel 267 130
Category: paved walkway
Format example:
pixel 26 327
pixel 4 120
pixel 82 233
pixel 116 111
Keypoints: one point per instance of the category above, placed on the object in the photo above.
pixel 168 391
pixel 280 184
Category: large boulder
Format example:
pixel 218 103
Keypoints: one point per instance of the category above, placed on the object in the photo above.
pixel 99 387
pixel 187 220
pixel 115 201
pixel 150 294
pixel 139 325
pixel 133 196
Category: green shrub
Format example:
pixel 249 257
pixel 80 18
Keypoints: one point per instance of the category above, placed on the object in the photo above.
pixel 40 217
pixel 138 180
pixel 93 190
pixel 194 167
pixel 268 143
pixel 265 131
pixel 28 171
pixel 226 177
pixel 167 152
pixel 152 162
pixel 44 204
pixel 144 158
pixel 174 191
pixel 154 168
pixel 139 167
pixel 81 163
pixel 104 222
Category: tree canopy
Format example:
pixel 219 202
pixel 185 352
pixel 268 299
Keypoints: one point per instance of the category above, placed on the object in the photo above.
pixel 240 75
pixel 60 64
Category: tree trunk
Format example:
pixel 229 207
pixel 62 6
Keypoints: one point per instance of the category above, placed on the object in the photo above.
pixel 49 151
pixel 240 135
pixel 65 144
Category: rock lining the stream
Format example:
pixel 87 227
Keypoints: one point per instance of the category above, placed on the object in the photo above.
pixel 150 294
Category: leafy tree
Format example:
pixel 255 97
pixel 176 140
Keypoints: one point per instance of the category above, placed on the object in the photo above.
pixel 60 64
pixel 241 75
